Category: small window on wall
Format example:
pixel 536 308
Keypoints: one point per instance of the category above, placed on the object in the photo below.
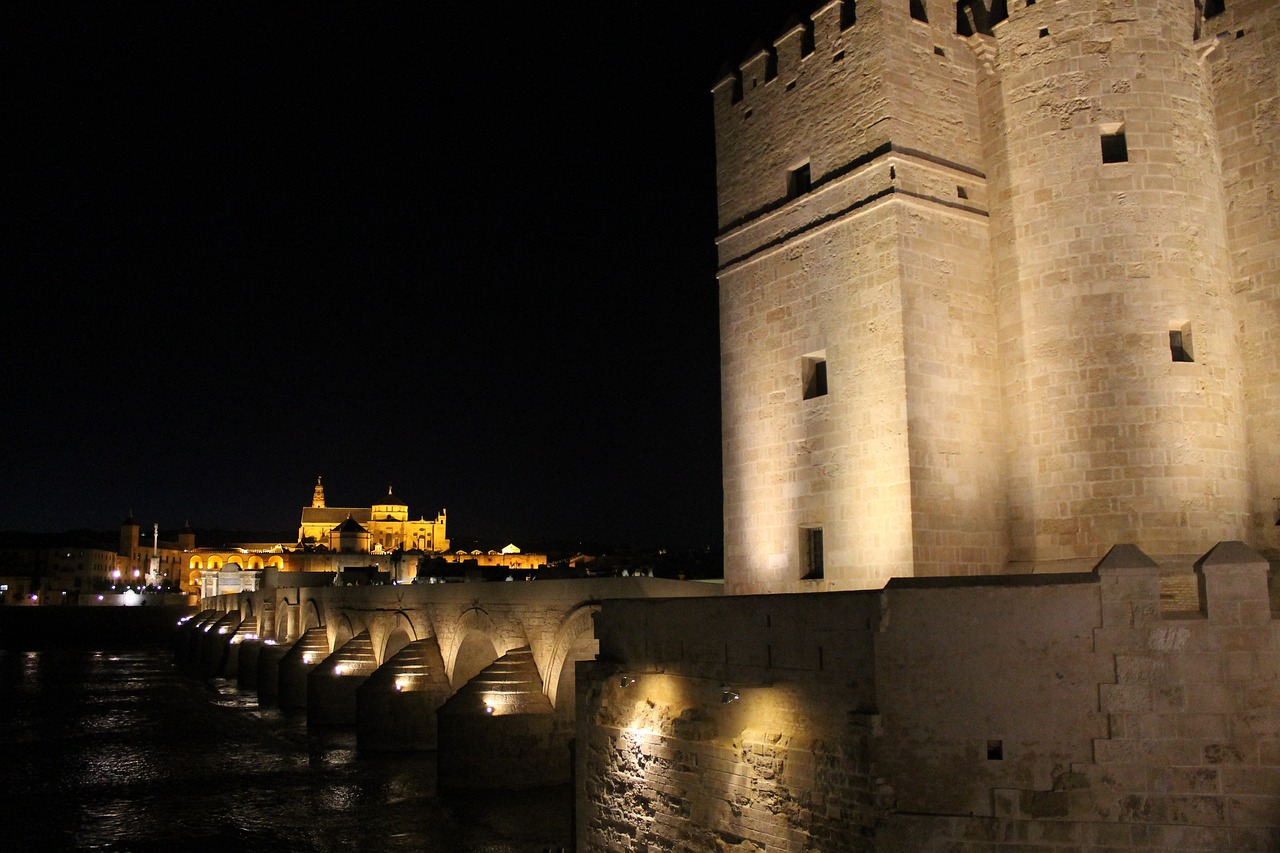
pixel 814 375
pixel 1180 343
pixel 917 10
pixel 798 180
pixel 1114 148
pixel 812 558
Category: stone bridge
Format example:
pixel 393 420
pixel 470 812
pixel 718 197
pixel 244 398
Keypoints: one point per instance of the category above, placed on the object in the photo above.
pixel 482 672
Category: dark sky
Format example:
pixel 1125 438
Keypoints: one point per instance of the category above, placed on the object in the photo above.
pixel 461 249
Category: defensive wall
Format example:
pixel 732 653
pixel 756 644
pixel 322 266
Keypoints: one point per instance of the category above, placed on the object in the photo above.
pixel 1065 712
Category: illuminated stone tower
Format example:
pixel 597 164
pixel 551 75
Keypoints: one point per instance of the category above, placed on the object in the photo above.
pixel 999 292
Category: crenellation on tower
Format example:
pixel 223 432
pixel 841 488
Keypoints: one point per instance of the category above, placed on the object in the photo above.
pixel 793 47
pixel 793 110
pixel 1039 267
pixel 759 69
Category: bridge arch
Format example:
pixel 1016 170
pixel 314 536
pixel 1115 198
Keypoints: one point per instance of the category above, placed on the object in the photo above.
pixel 401 634
pixel 473 647
pixel 575 641
pixel 342 631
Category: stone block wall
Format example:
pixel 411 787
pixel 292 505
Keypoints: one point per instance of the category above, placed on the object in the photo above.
pixel 1246 90
pixel 1097 260
pixel 735 727
pixel 934 219
pixel 1032 713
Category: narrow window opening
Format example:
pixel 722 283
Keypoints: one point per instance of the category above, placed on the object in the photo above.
pixel 838 56
pixel 893 173
pixel 1044 31
pixel 962 192
pixel 747 114
pixel 815 376
pixel 1031 2
pixel 918 12
pixel 848 14
pixel 770 64
pixel 1214 8
pixel 937 51
pixel 806 42
pixel 813 553
pixel 1180 343
pixel 1114 148
pixel 798 181
pixel 791 85
pixel 995 750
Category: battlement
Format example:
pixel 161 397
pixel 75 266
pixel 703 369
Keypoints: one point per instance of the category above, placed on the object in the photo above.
pixel 833 90
pixel 991 228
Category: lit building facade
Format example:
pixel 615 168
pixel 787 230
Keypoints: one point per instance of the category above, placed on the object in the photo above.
pixel 386 522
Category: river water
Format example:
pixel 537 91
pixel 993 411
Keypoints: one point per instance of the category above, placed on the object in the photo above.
pixel 122 751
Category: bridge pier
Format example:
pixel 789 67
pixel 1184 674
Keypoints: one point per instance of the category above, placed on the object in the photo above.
pixel 500 731
pixel 246 631
pixel 246 674
pixel 332 686
pixel 396 706
pixel 268 673
pixel 217 639
pixel 186 644
pixel 304 656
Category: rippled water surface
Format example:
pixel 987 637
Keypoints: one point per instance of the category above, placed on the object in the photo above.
pixel 121 751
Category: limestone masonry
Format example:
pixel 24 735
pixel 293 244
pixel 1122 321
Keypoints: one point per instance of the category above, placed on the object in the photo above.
pixel 999 289
pixel 1062 713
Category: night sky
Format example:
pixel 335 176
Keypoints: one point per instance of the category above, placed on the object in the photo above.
pixel 465 250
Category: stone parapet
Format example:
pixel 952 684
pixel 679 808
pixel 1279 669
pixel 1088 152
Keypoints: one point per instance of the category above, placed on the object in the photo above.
pixel 1040 713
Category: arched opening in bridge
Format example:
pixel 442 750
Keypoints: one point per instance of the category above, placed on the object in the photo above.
pixel 475 652
pixel 575 641
pixel 397 638
pixel 343 631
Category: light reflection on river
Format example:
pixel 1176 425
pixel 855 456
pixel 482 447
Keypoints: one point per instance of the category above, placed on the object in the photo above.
pixel 122 752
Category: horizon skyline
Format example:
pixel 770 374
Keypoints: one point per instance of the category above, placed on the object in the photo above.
pixel 257 245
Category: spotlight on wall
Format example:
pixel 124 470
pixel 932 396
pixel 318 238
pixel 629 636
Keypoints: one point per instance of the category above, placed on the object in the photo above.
pixel 727 696
pixel 488 709
pixel 625 681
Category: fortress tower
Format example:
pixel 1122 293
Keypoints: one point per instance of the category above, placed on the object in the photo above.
pixel 999 288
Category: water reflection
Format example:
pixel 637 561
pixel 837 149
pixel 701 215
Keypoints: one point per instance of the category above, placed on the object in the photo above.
pixel 122 752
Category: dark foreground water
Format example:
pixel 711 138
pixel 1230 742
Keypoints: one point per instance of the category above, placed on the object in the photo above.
pixel 121 751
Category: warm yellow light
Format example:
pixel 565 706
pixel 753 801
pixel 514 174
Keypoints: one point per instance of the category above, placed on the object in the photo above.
pixel 340 669
pixel 306 657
